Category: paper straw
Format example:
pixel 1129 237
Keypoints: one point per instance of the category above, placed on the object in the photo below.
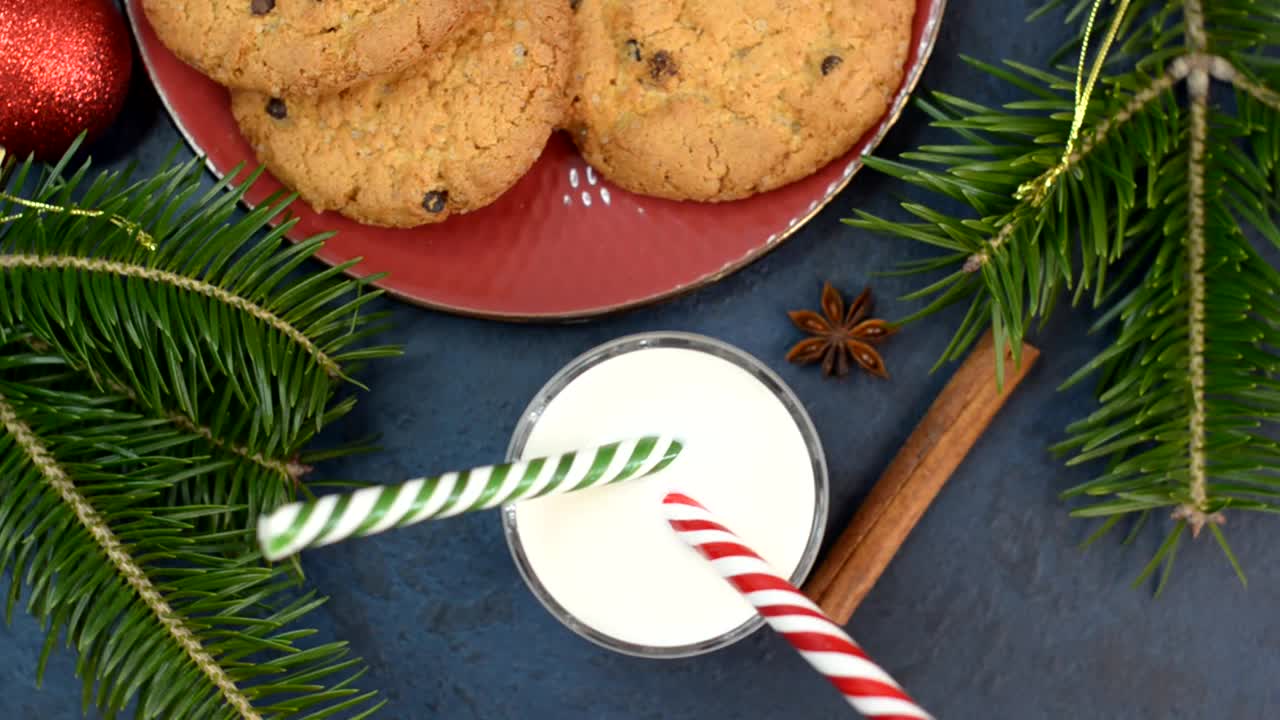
pixel 826 647
pixel 373 510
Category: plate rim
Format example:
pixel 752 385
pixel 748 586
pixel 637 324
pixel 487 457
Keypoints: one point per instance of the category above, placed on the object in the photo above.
pixel 928 41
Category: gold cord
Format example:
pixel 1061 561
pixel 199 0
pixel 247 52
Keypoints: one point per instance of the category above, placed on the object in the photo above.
pixel 132 228
pixel 1038 189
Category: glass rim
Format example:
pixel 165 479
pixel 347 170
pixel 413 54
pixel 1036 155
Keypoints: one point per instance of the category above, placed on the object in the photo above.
pixel 688 341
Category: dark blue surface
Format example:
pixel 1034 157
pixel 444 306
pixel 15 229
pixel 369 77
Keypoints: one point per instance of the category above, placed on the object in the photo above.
pixel 990 611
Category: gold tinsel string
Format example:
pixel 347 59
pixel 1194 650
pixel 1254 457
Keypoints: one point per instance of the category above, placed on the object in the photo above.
pixel 1038 189
pixel 134 229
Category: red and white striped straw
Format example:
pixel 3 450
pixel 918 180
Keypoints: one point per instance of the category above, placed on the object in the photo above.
pixel 820 641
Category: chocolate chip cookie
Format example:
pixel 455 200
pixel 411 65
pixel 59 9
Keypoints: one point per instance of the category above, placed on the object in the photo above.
pixel 302 46
pixel 710 100
pixel 446 137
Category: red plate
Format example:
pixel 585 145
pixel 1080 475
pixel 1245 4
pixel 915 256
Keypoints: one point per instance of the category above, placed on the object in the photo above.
pixel 563 243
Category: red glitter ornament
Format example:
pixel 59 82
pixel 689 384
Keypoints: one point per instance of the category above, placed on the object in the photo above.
pixel 64 69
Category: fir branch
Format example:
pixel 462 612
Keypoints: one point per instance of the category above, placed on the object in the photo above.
pixel 147 396
pixel 211 301
pixel 1224 71
pixel 1198 86
pixel 120 558
pixel 162 614
pixel 288 470
pixel 1098 137
pixel 1152 212
pixel 180 282
pixel 1193 19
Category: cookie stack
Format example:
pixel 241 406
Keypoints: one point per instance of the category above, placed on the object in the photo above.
pixel 405 112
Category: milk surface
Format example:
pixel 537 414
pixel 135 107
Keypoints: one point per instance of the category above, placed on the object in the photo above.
pixel 606 555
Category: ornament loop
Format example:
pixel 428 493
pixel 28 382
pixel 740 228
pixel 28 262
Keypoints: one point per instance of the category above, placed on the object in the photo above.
pixel 134 230
pixel 1037 190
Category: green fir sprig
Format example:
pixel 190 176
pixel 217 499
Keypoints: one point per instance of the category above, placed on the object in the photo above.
pixel 1155 217
pixel 163 363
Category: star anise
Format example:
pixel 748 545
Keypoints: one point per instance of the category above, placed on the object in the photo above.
pixel 841 336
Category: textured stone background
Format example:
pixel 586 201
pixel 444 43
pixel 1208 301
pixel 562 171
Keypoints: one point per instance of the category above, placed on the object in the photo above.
pixel 989 612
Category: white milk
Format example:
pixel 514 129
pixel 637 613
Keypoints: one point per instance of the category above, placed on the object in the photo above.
pixel 606 555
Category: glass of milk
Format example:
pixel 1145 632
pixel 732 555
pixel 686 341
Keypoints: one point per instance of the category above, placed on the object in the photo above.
pixel 603 561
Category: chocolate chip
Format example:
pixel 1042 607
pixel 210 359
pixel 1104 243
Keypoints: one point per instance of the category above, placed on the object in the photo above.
pixel 662 65
pixel 831 62
pixel 434 202
pixel 262 7
pixel 633 50
pixel 277 109
pixel 573 4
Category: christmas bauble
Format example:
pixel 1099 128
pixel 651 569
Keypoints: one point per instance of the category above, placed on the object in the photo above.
pixel 64 69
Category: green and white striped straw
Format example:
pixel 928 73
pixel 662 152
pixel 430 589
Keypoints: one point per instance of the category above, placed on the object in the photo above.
pixel 372 510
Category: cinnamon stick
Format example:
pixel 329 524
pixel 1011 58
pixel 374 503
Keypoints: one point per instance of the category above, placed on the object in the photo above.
pixel 935 449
